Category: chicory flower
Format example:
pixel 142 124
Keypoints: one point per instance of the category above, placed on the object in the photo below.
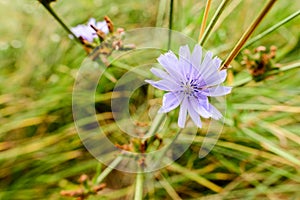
pixel 189 80
pixel 87 32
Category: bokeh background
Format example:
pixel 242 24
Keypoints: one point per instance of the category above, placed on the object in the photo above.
pixel 257 156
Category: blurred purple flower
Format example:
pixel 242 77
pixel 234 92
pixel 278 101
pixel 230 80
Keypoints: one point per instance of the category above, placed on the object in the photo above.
pixel 189 82
pixel 87 32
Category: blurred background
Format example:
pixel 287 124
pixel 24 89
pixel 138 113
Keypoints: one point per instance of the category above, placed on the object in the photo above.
pixel 257 156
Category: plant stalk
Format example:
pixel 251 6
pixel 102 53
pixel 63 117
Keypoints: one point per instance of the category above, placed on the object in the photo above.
pixel 271 29
pixel 109 168
pixel 139 185
pixel 213 22
pixel 170 23
pixel 204 20
pixel 52 12
pixel 247 34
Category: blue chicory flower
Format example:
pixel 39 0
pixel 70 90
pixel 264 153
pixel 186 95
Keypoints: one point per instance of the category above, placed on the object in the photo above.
pixel 87 32
pixel 189 81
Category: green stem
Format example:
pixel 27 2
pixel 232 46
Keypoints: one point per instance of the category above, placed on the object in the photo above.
pixel 213 21
pixel 109 168
pixel 159 118
pixel 286 68
pixel 165 149
pixel 52 12
pixel 271 29
pixel 247 34
pixel 139 185
pixel 170 23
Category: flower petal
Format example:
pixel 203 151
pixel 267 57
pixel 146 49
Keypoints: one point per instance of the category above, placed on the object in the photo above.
pixel 216 78
pixel 182 113
pixel 170 102
pixel 215 114
pixel 83 31
pixel 160 73
pixel 164 85
pixel 170 62
pixel 206 63
pixel 194 115
pixel 184 52
pixel 196 56
pixel 184 62
pixel 102 26
pixel 92 21
pixel 199 106
pixel 217 91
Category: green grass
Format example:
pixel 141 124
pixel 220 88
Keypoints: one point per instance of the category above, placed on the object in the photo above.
pixel 256 157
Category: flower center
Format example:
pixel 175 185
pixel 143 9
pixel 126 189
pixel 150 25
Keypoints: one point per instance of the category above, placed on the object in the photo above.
pixel 191 87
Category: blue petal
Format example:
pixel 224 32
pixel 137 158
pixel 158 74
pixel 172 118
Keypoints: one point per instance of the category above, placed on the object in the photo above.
pixel 217 78
pixel 196 56
pixel 182 113
pixel 184 62
pixel 163 85
pixel 170 62
pixel 217 91
pixel 160 73
pixel 171 101
pixel 206 63
pixel 214 112
pixel 184 52
pixel 102 26
pixel 199 106
pixel 92 21
pixel 194 115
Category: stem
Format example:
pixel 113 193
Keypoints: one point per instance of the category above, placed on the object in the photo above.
pixel 139 185
pixel 203 24
pixel 155 125
pixel 247 34
pixel 109 168
pixel 52 12
pixel 170 23
pixel 213 22
pixel 164 151
pixel 271 29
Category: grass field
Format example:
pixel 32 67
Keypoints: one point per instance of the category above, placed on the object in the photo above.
pixel 256 157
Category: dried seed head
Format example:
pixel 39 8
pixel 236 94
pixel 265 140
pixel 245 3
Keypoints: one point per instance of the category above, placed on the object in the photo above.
pixel 260 61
